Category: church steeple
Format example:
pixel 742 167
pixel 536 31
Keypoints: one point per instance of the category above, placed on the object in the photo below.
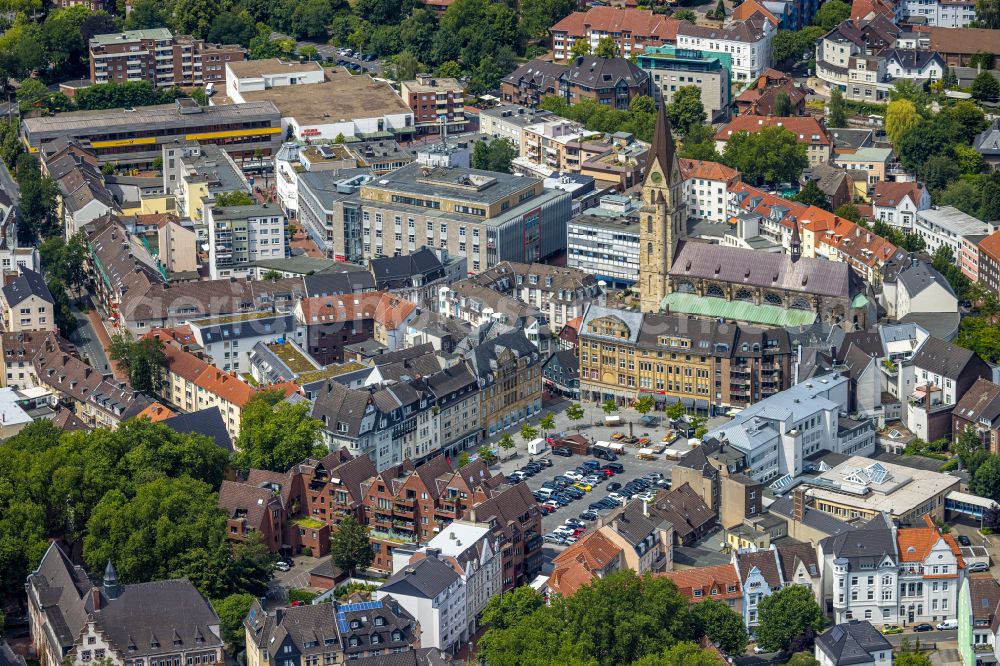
pixel 663 218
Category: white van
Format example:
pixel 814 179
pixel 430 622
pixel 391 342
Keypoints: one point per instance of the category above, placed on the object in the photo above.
pixel 536 446
pixel 614 420
pixel 947 624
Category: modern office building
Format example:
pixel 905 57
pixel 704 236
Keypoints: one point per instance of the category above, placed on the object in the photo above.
pixel 604 241
pixel 156 56
pixel 134 137
pixel 238 236
pixel 671 69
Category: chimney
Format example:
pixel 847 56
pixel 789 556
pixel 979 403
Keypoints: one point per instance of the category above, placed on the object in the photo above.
pixel 434 552
pixel 645 508
pixel 95 596
pixel 798 504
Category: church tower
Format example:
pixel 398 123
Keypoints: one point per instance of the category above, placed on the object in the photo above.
pixel 663 217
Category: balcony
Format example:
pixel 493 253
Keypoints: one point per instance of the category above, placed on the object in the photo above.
pixel 381 521
pixel 393 536
pixel 405 511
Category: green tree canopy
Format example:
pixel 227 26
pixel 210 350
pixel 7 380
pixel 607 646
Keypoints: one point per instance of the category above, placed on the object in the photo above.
pixel 231 611
pixel 275 434
pixel 686 109
pixel 686 653
pixel 811 195
pixel 837 109
pixel 988 14
pixel 985 88
pixel 496 155
pixel 772 155
pixel 722 625
pixel 832 13
pixel 802 659
pixel 900 117
pixel 349 546
pixel 142 359
pixel 786 615
pixel 607 47
pixel 986 481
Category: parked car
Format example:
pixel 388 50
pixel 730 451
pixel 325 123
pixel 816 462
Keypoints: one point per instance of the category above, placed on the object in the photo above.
pixel 553 538
pixel 573 474
pixel 596 506
pixel 653 476
pixel 618 498
pixel 977 567
pixel 589 516
pixel 963 540
pixel 573 492
pixel 923 627
pixel 552 504
pixel 593 479
pixel 613 486
pixel 562 451
pixel 947 625
pixel 615 436
pixel 584 486
pixel 562 499
pixel 592 464
pixel 574 522
pixel 544 462
pixel 282 565
pixel 890 629
pixel 647 496
pixel 617 468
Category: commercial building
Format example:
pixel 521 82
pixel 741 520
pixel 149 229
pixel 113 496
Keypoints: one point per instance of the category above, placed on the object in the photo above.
pixel 610 81
pixel 435 102
pixel 671 68
pixel 156 56
pixel 194 172
pixel 485 216
pixel 604 241
pixel 699 362
pixel 509 120
pixel 135 136
pixel 238 236
pixel 335 102
pixel 632 29
pixel 749 39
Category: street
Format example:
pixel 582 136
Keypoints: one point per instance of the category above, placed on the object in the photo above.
pixel 88 344
pixel 8 185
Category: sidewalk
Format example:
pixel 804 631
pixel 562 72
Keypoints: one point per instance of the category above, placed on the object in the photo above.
pixel 105 339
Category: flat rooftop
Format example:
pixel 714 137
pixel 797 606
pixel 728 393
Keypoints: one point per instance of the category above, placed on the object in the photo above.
pixel 248 69
pixel 433 84
pixel 340 98
pixel 127 36
pixel 291 356
pixel 862 483
pixel 621 223
pixel 473 185
pixel 76 123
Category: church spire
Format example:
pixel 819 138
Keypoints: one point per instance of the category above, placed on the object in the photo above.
pixel 663 143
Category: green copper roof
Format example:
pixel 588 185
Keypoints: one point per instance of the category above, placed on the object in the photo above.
pixel 859 301
pixel 709 306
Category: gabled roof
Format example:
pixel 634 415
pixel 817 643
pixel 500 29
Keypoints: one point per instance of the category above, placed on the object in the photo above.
pixel 710 582
pixel 708 170
pixel 805 128
pixel 574 567
pixel 948 360
pixel 204 422
pixel 640 23
pixel 28 283
pixel 915 544
pixel 870 543
pixel 791 555
pixel 892 193
pixel 765 562
pixel 424 579
pixel 852 643
pixel 981 402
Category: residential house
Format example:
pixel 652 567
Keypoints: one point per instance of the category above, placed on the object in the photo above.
pixel 514 518
pixel 807 130
pixel 941 373
pixel 27 303
pixel 848 56
pixel 914 64
pixel 834 182
pixel 799 566
pixel 632 29
pixel 758 99
pixel 74 620
pixel 854 643
pixel 434 594
pixel 760 575
pixel 749 40
pixel 685 510
pixel 561 374
pixel 715 473
pixel 593 556
pixel 720 583
pixel 987 144
pixel 989 262
pixel 898 203
pixel 984 593
pixel 860 573
pixel 707 186
pixel 979 409
pixel 416 277
pixel 918 288
pixel 957 46
pixel 931 570
pixel 611 81
pixel 646 538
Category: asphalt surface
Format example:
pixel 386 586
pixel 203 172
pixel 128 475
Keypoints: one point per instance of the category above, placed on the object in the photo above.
pixel 87 343
pixel 330 51
pixel 8 185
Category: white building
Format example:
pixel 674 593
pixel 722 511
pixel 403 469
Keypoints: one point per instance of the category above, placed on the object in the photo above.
pixel 915 64
pixel 855 643
pixel 508 121
pixel 228 341
pixel 749 43
pixel 918 288
pixel 897 203
pixel 706 189
pixel 604 241
pixel 940 13
pixel 779 432
pixel 433 593
pixel 334 103
pixel 860 569
pixel 945 226
pixel 238 236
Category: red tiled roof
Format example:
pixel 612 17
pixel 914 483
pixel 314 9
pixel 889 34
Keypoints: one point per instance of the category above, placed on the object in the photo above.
pixel 708 171
pixel 861 9
pixel 712 582
pixel 387 309
pixel 573 567
pixel 991 245
pixel 156 412
pixel 892 193
pixel 804 128
pixel 855 241
pixel 640 23
pixel 915 544
pixel 750 7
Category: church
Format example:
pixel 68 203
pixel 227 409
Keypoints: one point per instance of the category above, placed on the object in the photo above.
pixel 687 276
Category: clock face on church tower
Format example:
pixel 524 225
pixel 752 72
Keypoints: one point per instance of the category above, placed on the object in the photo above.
pixel 656 176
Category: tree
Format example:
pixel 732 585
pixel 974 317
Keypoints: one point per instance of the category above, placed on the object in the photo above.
pixel 449 69
pixel 194 17
pixel 575 413
pixel 607 47
pixel 506 442
pixel 496 155
pixel 233 28
pixel 38 217
pixel 785 615
pixel 272 274
pixel 275 434
pixel 720 11
pixel 686 653
pixel 685 15
pixel 802 659
pixel 405 66
pixel 416 34
pixel 229 568
pixel 145 14
pixel 381 12
pixel 782 104
pixel 349 546
pixel 675 410
pixel 968 447
pixel 63 313
pixel 900 117
pixel 968 160
pixel 986 481
pixel 969 119
pixel 610 406
pixel 547 422
pixel 231 611
pixel 463 459
pixel 32 94
pixel 722 624
pixel 831 14
pixel 988 14
pixel 848 211
pixel 811 195
pixel 581 47
pixel 644 405
pixel 785 46
pixel 938 171
pixel 142 360
pixel 686 109
pixel 528 433
pixel 911 659
pixel 146 535
pixel 486 454
pixel 772 155
pixel 985 88
pixel 504 611
pixel 538 15
pixel 837 109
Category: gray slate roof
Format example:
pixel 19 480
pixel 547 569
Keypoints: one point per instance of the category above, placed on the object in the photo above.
pixel 920 275
pixel 204 422
pixel 426 579
pixel 852 643
pixel 944 359
pixel 28 283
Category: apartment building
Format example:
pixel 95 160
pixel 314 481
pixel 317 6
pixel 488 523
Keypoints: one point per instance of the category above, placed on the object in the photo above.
pixel 720 583
pixel 939 13
pixel 27 303
pixel 625 355
pixel 433 593
pixel 157 56
pixel 706 189
pixel 632 29
pixel 435 102
pixel 989 262
pixel 507 121
pixel 749 40
pixel 671 68
pixel 940 373
pixel 238 236
pixel 550 147
pixel 194 172
pixel 614 82
pixel 979 409
pixel 807 130
pixel 760 97
pixel 947 226
pixel 715 473
pixel 516 524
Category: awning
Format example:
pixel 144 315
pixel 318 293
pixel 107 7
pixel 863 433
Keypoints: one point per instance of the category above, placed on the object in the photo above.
pixel 671 399
pixel 700 404
pixel 687 402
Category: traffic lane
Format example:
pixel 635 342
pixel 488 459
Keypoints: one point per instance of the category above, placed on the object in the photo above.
pixel 634 469
pixel 924 636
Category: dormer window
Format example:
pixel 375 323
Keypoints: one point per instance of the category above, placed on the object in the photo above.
pixel 355 624
pixel 376 639
pixel 397 635
pixel 379 621
pixel 354 641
